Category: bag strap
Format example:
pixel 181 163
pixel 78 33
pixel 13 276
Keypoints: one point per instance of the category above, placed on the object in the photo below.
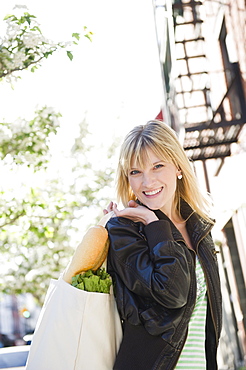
pixel 103 222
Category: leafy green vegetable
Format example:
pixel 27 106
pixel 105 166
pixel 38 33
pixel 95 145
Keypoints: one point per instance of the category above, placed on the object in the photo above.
pixel 93 281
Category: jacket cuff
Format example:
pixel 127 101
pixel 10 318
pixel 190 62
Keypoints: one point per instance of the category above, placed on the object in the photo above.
pixel 158 231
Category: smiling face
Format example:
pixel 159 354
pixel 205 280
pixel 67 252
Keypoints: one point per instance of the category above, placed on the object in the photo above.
pixel 154 182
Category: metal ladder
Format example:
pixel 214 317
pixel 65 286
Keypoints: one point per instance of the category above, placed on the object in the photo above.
pixel 207 132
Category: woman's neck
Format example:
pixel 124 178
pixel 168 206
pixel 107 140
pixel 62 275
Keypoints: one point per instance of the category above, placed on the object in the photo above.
pixel 174 216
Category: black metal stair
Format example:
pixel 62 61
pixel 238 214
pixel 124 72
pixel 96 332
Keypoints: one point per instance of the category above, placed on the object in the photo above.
pixel 209 132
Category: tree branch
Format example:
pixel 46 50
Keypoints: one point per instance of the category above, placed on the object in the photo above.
pixel 14 219
pixel 4 74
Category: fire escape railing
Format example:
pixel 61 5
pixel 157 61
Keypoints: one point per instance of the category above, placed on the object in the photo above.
pixel 209 132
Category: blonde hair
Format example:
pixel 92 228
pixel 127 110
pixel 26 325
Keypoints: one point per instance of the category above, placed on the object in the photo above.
pixel 162 140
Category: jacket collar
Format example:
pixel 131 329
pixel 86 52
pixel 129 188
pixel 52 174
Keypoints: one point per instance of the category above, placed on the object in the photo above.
pixel 197 227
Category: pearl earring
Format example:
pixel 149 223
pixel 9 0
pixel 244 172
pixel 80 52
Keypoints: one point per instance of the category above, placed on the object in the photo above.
pixel 180 176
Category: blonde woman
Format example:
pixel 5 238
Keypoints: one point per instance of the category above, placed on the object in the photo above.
pixel 162 258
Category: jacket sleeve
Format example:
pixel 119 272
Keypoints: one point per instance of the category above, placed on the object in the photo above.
pixel 151 264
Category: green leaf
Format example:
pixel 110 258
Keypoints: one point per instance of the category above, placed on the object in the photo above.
pixel 76 35
pixel 36 28
pixel 28 20
pixel 33 69
pixel 70 55
pixel 88 35
pixel 9 16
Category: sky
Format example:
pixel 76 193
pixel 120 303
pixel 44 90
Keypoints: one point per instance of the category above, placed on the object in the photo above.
pixel 115 80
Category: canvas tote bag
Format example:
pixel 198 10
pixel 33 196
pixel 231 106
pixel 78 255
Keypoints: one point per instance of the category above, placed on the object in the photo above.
pixel 76 330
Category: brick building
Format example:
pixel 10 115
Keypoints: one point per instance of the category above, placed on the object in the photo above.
pixel 202 49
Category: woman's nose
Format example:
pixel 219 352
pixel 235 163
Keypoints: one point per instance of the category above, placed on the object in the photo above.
pixel 148 180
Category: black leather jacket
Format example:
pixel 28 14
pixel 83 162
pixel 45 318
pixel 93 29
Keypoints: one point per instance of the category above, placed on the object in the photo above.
pixel 155 282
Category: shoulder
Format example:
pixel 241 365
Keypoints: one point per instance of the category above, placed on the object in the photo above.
pixel 121 226
pixel 122 222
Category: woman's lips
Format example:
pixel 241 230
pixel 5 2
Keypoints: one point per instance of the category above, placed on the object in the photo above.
pixel 152 192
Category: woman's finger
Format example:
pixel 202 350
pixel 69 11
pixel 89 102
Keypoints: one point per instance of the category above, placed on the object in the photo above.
pixel 132 204
pixel 109 208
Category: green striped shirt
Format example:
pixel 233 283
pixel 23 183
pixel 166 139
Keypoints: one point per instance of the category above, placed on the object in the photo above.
pixel 193 354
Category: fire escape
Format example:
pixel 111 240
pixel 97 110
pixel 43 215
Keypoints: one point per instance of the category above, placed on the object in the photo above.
pixel 209 131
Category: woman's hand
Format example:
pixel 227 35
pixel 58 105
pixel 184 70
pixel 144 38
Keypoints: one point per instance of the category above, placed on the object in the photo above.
pixel 134 212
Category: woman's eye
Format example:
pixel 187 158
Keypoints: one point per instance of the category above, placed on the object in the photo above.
pixel 159 166
pixel 134 172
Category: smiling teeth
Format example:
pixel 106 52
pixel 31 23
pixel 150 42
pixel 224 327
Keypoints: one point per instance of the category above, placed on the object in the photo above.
pixel 152 192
